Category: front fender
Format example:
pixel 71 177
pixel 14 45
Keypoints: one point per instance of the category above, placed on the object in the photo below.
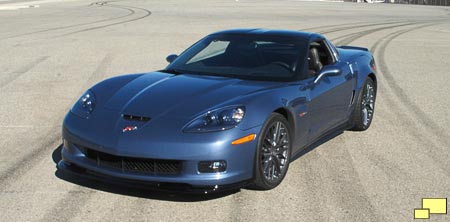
pixel 287 100
pixel 258 109
pixel 260 105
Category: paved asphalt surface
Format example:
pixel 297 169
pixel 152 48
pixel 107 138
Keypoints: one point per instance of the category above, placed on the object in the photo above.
pixel 52 53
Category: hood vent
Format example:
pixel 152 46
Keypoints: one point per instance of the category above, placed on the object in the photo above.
pixel 135 118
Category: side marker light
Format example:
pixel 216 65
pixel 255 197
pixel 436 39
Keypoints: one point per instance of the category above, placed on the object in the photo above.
pixel 244 139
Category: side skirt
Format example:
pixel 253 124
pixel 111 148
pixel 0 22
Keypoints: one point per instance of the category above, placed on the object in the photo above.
pixel 328 135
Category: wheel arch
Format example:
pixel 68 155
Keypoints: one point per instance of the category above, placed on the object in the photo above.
pixel 289 117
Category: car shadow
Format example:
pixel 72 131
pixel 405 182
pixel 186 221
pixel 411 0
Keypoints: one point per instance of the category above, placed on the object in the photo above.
pixel 131 190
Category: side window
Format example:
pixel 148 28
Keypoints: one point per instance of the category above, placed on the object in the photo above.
pixel 318 56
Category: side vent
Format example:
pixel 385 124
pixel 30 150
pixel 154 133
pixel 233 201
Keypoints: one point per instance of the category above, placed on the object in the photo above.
pixel 135 118
pixel 352 100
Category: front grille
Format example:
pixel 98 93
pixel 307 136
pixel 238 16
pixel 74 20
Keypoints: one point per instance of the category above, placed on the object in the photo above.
pixel 135 165
pixel 135 118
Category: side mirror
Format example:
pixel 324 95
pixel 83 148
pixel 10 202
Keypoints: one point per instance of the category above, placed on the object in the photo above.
pixel 332 71
pixel 171 57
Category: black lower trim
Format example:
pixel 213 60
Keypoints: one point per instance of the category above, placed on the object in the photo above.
pixel 157 186
pixel 329 134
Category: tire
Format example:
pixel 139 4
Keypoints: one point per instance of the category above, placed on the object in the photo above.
pixel 268 156
pixel 365 106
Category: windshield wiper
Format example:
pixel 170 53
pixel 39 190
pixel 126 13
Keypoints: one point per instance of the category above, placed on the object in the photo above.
pixel 171 71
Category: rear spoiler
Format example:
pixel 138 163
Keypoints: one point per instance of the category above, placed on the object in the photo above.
pixel 352 47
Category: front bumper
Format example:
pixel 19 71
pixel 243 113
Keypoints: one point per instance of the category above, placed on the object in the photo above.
pixel 190 149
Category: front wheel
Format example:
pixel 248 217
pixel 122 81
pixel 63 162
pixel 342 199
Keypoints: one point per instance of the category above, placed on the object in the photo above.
pixel 365 106
pixel 273 153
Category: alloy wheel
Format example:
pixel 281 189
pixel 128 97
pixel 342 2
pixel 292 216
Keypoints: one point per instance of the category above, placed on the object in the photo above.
pixel 275 152
pixel 368 103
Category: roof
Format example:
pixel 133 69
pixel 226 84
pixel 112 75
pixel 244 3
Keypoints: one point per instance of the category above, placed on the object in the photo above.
pixel 270 32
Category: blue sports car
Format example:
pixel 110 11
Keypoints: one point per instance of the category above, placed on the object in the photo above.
pixel 232 110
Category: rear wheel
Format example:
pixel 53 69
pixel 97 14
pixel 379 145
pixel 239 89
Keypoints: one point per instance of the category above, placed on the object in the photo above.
pixel 365 106
pixel 273 153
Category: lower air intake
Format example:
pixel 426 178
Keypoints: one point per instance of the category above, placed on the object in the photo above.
pixel 135 165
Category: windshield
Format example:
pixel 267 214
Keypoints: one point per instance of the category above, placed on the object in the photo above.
pixel 243 56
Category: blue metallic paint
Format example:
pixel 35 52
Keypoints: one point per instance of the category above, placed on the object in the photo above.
pixel 172 101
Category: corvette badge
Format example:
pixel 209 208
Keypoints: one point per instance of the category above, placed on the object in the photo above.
pixel 129 128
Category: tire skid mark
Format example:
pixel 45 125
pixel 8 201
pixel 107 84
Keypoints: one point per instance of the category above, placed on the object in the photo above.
pixel 414 133
pixel 16 74
pixel 345 27
pixel 336 25
pixel 392 169
pixel 99 72
pixel 436 152
pixel 130 13
pixel 343 184
pixel 146 14
pixel 431 149
pixel 32 158
pixel 70 206
pixel 422 117
pixel 358 26
pixel 442 162
pixel 312 190
pixel 349 38
pixel 73 201
pixel 29 160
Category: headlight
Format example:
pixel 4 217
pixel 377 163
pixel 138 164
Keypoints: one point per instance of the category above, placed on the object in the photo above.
pixel 85 105
pixel 217 120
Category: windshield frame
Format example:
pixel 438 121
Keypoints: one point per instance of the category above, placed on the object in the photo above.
pixel 193 50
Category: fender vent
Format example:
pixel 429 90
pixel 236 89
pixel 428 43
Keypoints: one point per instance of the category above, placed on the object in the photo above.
pixel 352 99
pixel 135 118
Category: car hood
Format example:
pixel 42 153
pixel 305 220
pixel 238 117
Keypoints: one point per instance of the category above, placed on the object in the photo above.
pixel 157 94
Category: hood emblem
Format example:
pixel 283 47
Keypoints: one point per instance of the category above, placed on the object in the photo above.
pixel 129 128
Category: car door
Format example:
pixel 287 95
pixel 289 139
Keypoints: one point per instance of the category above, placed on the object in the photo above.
pixel 330 95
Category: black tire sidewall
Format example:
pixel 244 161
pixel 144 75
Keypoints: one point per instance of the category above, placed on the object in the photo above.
pixel 357 115
pixel 259 181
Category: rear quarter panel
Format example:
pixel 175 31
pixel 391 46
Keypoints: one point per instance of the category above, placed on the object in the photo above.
pixel 361 62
